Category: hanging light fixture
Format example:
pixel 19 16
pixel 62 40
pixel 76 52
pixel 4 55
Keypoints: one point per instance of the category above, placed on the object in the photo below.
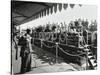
pixel 42 13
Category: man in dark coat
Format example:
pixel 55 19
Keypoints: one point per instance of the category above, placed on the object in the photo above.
pixel 25 53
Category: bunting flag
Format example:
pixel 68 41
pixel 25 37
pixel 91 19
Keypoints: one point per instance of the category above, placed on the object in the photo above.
pixel 51 9
pixel 55 8
pixel 44 12
pixel 72 5
pixel 60 6
pixel 48 11
pixel 65 6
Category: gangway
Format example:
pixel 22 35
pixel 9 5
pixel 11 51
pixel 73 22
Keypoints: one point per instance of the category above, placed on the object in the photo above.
pixel 90 57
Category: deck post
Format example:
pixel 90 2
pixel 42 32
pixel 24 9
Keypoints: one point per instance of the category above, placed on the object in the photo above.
pixel 86 58
pixel 56 52
pixel 41 43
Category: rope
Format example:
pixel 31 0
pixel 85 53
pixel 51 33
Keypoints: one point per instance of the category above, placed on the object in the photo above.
pixel 50 41
pixel 78 55
pixel 48 46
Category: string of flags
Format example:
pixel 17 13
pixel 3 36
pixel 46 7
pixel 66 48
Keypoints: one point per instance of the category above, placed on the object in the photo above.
pixel 56 7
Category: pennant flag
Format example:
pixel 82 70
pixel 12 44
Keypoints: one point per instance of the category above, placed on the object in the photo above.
pixel 60 6
pixel 65 6
pixel 51 9
pixel 72 5
pixel 55 8
pixel 48 11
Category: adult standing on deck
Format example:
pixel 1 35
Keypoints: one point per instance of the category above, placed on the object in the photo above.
pixel 25 53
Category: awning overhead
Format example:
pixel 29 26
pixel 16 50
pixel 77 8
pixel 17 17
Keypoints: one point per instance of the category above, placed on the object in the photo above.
pixel 22 10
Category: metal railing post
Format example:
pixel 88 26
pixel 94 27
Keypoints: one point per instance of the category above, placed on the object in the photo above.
pixel 41 43
pixel 56 52
pixel 66 38
pixel 86 58
pixel 33 40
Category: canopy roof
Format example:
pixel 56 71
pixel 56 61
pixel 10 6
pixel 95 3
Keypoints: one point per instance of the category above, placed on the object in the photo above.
pixel 22 11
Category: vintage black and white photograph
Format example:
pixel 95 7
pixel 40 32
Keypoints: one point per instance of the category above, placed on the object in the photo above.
pixel 51 37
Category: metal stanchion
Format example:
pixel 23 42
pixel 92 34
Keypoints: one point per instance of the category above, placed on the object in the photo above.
pixel 87 37
pixel 86 58
pixel 52 36
pixel 41 43
pixel 66 38
pixel 33 41
pixel 56 52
